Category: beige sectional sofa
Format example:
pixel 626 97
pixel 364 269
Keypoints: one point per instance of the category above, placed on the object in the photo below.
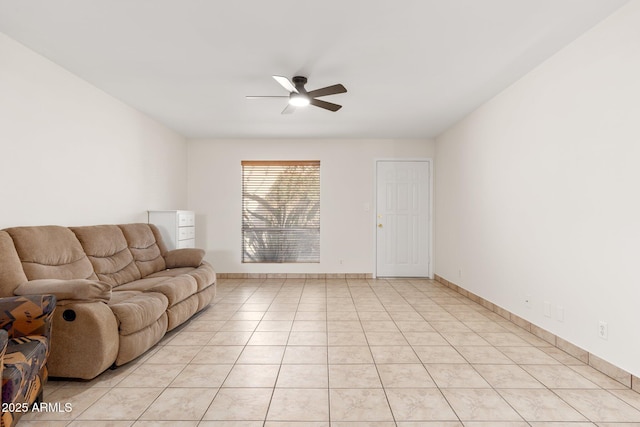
pixel 119 289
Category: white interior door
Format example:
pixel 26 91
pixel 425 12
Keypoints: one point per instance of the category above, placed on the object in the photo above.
pixel 402 218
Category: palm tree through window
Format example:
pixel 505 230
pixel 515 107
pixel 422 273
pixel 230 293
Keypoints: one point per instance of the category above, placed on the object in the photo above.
pixel 280 211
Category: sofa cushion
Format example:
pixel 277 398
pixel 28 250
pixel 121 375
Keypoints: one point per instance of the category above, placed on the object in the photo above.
pixel 158 236
pixel 133 345
pixel 51 252
pixel 205 275
pixel 141 285
pixel 136 310
pixel 11 273
pixel 181 312
pixel 108 251
pixel 176 289
pixel 144 248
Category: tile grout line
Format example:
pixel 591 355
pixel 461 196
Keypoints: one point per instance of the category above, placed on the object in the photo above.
pixel 375 364
pixel 326 327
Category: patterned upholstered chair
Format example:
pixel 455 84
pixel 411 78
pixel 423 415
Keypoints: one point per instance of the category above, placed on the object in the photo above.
pixel 27 322
pixel 4 339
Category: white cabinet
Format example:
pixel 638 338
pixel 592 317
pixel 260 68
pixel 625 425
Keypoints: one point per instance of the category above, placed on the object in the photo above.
pixel 178 228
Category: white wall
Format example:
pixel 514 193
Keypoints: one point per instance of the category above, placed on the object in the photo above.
pixel 346 185
pixel 73 155
pixel 537 192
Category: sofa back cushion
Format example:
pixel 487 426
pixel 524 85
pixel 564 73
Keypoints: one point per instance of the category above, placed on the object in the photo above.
pixel 109 253
pixel 11 273
pixel 144 248
pixel 158 236
pixel 51 252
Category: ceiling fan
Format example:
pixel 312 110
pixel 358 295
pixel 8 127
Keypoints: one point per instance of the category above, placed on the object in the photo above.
pixel 300 97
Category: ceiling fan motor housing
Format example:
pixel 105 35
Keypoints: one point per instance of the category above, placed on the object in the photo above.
pixel 299 82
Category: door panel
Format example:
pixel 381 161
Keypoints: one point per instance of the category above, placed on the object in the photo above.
pixel 402 213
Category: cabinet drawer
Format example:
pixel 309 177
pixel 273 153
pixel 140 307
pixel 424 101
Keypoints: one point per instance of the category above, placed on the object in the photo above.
pixel 186 233
pixel 189 243
pixel 186 220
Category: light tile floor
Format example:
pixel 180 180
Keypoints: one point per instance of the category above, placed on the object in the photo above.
pixel 345 353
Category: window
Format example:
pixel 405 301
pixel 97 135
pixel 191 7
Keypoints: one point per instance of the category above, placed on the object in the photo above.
pixel 280 211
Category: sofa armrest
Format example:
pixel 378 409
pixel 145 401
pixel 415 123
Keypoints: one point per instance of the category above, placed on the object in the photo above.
pixel 85 340
pixel 27 315
pixel 186 257
pixel 66 291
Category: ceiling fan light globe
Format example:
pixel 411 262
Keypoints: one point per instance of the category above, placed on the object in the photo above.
pixel 298 100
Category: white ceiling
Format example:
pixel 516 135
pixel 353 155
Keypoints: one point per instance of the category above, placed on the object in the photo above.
pixel 412 68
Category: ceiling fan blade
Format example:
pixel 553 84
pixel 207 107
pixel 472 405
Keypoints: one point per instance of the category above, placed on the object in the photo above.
pixel 329 90
pixel 286 83
pixel 289 109
pixel 326 105
pixel 266 96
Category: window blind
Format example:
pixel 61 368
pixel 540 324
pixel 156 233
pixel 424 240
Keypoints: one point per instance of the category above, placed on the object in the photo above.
pixel 280 211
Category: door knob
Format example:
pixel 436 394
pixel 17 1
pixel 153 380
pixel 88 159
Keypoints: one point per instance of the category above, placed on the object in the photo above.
pixel 379 225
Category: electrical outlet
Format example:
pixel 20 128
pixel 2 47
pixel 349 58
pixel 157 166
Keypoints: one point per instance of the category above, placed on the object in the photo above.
pixel 603 330
pixel 560 313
